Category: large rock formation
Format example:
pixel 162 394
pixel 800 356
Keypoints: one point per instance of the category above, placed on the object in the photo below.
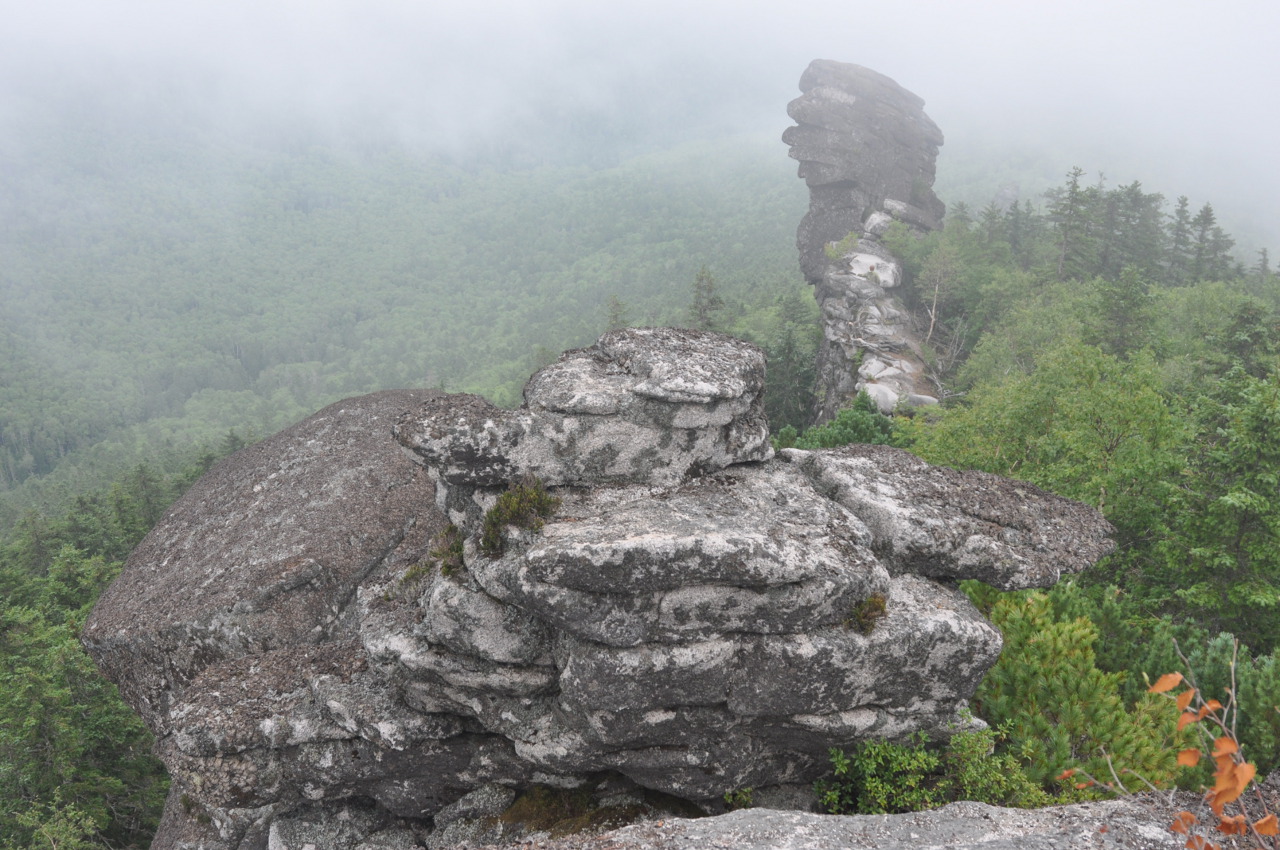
pixel 335 639
pixel 864 146
pixel 867 152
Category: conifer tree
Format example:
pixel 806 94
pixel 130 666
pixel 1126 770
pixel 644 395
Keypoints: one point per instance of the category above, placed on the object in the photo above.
pixel 1072 213
pixel 707 304
pixel 1060 708
pixel 1178 262
pixel 1206 242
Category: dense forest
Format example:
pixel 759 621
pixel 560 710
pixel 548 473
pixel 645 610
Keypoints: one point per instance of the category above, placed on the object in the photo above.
pixel 163 304
pixel 151 307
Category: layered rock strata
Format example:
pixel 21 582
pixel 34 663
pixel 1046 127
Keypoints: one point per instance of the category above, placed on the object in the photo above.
pixel 867 152
pixel 326 661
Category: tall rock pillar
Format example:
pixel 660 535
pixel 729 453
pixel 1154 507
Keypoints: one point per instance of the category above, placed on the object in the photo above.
pixel 867 152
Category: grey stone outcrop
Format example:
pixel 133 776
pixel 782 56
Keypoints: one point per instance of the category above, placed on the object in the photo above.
pixel 685 621
pixel 865 146
pixel 867 152
pixel 641 405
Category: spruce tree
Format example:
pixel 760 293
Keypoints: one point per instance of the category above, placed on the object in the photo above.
pixel 1073 214
pixel 707 303
pixel 1178 258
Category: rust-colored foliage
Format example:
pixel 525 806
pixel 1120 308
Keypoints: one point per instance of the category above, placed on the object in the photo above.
pixel 1232 774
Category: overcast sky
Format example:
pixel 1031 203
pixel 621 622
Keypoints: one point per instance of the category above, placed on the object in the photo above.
pixel 1177 94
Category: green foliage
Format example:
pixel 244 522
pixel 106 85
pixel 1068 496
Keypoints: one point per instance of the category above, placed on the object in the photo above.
pixel 1084 424
pixel 860 422
pixel 883 777
pixel 1059 709
pixel 1222 561
pixel 445 555
pixel 839 250
pixel 788 330
pixel 76 768
pixel 1141 647
pixel 525 505
pixel 1123 322
pixel 53 826
pixel 785 438
pixel 447 550
pixel 76 761
pixel 977 766
pixel 218 291
pixel 707 305
pixel 617 313
pixel 867 613
pixel 739 798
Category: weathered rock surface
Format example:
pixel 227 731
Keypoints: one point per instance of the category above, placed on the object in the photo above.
pixel 266 553
pixel 865 145
pixel 682 621
pixel 642 405
pixel 1134 823
pixel 867 153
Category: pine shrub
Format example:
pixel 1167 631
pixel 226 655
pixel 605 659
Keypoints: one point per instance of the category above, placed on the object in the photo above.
pixel 1060 710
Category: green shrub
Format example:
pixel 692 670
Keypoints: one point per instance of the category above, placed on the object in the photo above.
pixel 447 551
pixel 860 422
pixel 740 798
pixel 785 438
pixel 1059 709
pixel 839 250
pixel 867 613
pixel 524 505
pixel 881 777
pixel 445 554
pixel 976 770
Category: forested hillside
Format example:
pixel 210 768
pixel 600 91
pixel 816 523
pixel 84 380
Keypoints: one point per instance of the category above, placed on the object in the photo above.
pixel 1112 347
pixel 157 297
pixel 162 303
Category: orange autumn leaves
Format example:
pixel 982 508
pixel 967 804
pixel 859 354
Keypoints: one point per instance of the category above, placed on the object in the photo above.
pixel 1232 774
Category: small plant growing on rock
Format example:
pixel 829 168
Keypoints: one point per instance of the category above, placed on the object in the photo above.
pixel 447 551
pixel 525 505
pixel 739 799
pixel 867 613
pixel 837 251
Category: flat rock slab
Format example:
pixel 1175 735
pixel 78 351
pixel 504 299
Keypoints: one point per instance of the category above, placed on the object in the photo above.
pixel 1137 823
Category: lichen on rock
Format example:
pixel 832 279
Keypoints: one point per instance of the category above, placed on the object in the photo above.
pixel 678 621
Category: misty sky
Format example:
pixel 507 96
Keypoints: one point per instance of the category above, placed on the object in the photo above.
pixel 1174 93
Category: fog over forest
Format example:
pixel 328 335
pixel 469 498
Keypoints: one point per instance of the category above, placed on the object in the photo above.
pixel 1169 93
pixel 218 217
